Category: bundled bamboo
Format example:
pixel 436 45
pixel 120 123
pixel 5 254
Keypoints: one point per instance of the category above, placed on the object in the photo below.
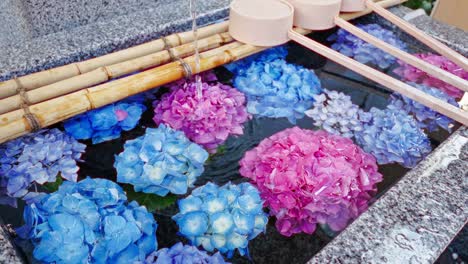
pixel 106 73
pixel 39 79
pixel 59 109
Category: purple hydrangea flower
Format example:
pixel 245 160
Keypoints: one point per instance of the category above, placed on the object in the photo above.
pixel 108 122
pixel 239 67
pixel 356 48
pixel 36 158
pixel 162 161
pixel 394 136
pixel 89 222
pixel 426 117
pixel 335 113
pixel 277 89
pixel 223 218
pixel 180 254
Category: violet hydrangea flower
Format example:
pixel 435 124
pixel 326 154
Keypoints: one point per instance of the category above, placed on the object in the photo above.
pixel 392 135
pixel 277 89
pixel 309 177
pixel 183 254
pixel 162 161
pixel 106 123
pixel 240 66
pixel 364 52
pixel 223 218
pixel 335 113
pixel 412 74
pixel 426 117
pixel 208 120
pixel 89 222
pixel 36 158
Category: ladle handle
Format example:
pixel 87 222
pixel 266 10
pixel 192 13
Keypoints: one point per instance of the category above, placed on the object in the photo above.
pixel 419 35
pixel 385 80
pixel 435 71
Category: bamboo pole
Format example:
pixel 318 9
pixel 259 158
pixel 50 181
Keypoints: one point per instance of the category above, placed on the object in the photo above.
pixel 61 108
pixel 106 73
pixel 43 78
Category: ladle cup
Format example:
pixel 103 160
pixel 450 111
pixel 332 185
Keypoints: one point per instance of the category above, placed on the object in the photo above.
pixel 270 22
pixel 360 5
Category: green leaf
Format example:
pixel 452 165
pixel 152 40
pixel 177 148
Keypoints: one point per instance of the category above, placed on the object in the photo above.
pixel 53 186
pixel 152 202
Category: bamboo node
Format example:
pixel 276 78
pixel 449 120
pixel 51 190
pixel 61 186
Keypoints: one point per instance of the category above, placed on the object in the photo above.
pixel 30 117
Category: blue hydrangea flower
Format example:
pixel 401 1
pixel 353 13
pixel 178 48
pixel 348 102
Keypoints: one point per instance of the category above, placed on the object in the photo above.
pixel 335 113
pixel 180 254
pixel 162 161
pixel 239 67
pixel 106 123
pixel 426 117
pixel 36 158
pixel 394 136
pixel 223 218
pixel 277 89
pixel 356 48
pixel 89 222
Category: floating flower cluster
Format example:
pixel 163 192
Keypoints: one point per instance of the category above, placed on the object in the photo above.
pixel 426 117
pixel 354 47
pixel 106 123
pixel 36 158
pixel 239 67
pixel 89 222
pixel 207 120
pixel 162 161
pixel 412 74
pixel 392 135
pixel 223 218
pixel 308 177
pixel 335 113
pixel 208 77
pixel 180 254
pixel 277 89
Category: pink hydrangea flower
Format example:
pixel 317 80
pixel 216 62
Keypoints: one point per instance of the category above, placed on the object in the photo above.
pixel 311 177
pixel 208 120
pixel 412 74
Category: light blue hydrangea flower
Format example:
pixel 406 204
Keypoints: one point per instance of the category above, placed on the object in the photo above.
pixel 108 122
pixel 356 48
pixel 89 222
pixel 162 161
pixel 277 89
pixel 223 218
pixel 36 158
pixel 180 254
pixel 426 117
pixel 335 113
pixel 394 136
pixel 239 67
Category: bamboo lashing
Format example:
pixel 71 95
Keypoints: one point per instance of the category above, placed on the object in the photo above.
pixel 106 73
pixel 58 109
pixel 43 78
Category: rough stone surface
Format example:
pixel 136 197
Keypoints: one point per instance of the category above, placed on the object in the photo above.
pixel 8 254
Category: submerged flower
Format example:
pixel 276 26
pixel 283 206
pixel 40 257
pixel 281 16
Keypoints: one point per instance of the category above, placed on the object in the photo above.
pixel 364 52
pixel 426 117
pixel 180 254
pixel 240 66
pixel 335 113
pixel 392 135
pixel 162 161
pixel 36 158
pixel 207 120
pixel 412 74
pixel 277 89
pixel 106 123
pixel 89 222
pixel 309 177
pixel 223 218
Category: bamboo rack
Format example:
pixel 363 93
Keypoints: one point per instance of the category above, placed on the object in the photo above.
pixel 43 78
pixel 61 108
